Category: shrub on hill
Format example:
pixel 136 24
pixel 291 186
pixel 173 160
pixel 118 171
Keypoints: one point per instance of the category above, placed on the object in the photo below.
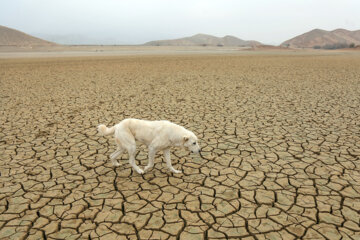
pixel 335 46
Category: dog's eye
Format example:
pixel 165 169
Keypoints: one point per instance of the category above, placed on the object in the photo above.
pixel 194 143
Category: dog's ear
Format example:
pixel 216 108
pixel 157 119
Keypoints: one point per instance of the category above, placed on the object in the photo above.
pixel 185 139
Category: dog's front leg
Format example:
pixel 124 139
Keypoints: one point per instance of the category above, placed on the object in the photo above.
pixel 152 152
pixel 168 161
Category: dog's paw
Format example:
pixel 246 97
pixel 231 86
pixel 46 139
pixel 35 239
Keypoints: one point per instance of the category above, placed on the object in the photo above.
pixel 140 171
pixel 176 171
pixel 146 168
pixel 116 164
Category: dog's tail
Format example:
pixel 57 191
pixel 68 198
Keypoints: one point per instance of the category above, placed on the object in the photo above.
pixel 103 130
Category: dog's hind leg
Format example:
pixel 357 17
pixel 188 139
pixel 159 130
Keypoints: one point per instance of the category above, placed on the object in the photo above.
pixel 127 141
pixel 168 161
pixel 152 152
pixel 114 155
pixel 132 151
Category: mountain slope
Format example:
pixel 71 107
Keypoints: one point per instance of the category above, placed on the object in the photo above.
pixel 12 37
pixel 204 40
pixel 318 37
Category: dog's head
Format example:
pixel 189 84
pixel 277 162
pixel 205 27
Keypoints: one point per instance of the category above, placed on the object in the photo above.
pixel 191 143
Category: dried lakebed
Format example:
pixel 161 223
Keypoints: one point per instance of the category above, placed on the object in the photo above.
pixel 280 140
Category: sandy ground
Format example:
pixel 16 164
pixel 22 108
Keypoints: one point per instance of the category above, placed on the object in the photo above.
pixel 280 137
pixel 7 52
pixel 98 50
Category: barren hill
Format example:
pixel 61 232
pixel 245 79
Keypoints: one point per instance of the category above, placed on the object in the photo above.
pixel 321 38
pixel 12 37
pixel 204 40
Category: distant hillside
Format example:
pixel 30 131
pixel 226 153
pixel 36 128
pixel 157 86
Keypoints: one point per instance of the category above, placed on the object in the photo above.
pixel 204 40
pixel 12 37
pixel 322 38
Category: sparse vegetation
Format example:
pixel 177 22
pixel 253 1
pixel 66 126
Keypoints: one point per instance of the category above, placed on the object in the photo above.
pixel 335 46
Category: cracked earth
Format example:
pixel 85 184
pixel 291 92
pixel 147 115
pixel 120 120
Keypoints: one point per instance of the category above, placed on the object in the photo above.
pixel 279 135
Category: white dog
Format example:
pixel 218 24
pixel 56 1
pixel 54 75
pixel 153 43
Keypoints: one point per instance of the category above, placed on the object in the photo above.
pixel 157 135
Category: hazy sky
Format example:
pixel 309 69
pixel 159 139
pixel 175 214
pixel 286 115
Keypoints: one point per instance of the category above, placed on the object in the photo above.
pixel 139 21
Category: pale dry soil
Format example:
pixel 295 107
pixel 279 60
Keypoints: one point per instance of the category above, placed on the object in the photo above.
pixel 280 139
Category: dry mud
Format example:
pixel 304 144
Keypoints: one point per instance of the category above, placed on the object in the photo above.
pixel 280 138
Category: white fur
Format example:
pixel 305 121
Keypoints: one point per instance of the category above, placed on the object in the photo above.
pixel 157 135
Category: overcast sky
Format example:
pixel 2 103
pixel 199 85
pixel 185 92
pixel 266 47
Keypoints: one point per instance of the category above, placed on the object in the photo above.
pixel 139 21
